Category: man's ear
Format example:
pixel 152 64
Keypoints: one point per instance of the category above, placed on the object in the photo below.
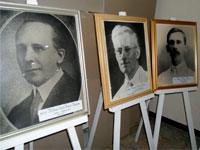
pixel 138 53
pixel 186 48
pixel 61 54
pixel 167 47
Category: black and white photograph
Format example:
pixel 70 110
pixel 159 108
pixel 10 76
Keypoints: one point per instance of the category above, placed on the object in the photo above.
pixel 175 51
pixel 127 56
pixel 42 67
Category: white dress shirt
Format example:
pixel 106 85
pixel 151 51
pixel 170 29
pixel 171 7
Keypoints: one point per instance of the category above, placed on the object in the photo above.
pixel 181 70
pixel 46 88
pixel 140 77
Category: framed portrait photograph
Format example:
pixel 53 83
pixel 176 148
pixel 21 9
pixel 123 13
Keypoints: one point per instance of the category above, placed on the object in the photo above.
pixel 124 58
pixel 42 69
pixel 174 52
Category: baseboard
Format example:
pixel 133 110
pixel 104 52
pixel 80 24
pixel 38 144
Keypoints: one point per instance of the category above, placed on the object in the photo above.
pixel 174 123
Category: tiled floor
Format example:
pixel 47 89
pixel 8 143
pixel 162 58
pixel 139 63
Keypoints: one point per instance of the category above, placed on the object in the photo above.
pixel 170 138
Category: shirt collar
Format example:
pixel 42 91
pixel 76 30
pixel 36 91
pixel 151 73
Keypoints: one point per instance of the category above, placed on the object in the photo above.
pixel 176 69
pixel 46 88
pixel 134 79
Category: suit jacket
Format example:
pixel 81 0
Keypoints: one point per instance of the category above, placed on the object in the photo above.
pixel 66 90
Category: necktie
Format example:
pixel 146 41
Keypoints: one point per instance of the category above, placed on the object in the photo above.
pixel 34 107
pixel 174 70
pixel 130 84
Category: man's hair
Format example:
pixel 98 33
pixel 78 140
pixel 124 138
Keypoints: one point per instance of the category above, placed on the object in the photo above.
pixel 173 30
pixel 62 39
pixel 120 29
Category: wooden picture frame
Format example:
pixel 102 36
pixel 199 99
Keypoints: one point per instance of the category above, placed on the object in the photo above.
pixel 137 68
pixel 174 52
pixel 34 38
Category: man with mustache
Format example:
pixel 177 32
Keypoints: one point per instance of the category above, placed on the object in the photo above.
pixel 176 47
pixel 42 42
pixel 127 53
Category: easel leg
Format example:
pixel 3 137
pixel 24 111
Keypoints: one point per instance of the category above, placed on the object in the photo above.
pixel 140 125
pixel 85 133
pixel 158 119
pixel 139 130
pixel 117 124
pixel 19 147
pixel 31 145
pixel 95 121
pixel 147 124
pixel 73 138
pixel 189 120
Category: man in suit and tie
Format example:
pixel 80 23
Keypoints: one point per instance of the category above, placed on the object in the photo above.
pixel 41 45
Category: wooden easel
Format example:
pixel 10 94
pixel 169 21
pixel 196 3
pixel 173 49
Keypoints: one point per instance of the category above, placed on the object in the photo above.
pixel 117 120
pixel 161 94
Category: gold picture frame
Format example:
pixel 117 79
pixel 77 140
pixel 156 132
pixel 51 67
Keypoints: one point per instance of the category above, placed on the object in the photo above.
pixel 174 54
pixel 113 79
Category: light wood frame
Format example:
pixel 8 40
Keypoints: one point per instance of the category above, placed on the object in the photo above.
pixel 162 60
pixel 108 60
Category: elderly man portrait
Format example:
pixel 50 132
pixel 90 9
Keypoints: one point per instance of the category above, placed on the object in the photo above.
pixel 127 52
pixel 42 43
pixel 176 47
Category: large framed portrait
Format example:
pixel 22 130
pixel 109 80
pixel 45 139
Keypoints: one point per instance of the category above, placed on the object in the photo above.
pixel 124 58
pixel 42 69
pixel 174 51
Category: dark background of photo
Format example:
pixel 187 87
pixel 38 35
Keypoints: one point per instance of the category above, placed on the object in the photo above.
pixel 116 76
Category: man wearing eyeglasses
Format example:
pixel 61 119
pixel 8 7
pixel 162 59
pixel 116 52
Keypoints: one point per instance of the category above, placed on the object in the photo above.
pixel 127 53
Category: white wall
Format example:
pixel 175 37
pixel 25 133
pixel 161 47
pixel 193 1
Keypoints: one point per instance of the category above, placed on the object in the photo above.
pixel 185 10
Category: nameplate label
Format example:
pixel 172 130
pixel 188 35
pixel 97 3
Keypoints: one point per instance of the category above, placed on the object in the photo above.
pixel 60 110
pixel 182 80
pixel 138 88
